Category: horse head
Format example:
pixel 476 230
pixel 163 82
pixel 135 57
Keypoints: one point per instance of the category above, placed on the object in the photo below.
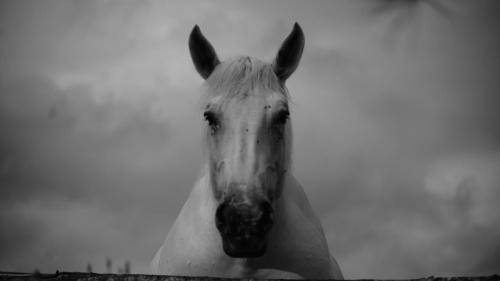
pixel 247 138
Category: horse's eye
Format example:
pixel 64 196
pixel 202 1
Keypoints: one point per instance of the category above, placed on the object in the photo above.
pixel 211 119
pixel 281 117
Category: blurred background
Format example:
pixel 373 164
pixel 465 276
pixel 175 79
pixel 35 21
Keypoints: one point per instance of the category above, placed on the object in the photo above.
pixel 396 113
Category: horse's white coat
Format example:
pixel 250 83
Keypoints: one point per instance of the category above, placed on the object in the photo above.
pixel 255 153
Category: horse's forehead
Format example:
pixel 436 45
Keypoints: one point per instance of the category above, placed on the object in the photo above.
pixel 253 101
pixel 249 108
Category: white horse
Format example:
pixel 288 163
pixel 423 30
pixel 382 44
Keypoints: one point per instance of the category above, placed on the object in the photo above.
pixel 247 216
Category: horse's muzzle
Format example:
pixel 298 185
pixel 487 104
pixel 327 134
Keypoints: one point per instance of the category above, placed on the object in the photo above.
pixel 244 227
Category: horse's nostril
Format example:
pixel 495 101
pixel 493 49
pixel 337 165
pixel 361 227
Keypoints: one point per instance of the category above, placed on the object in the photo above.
pixel 267 218
pixel 244 219
pixel 220 216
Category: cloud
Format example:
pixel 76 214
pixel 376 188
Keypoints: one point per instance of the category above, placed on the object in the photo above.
pixel 397 148
pixel 406 152
pixel 66 158
pixel 93 109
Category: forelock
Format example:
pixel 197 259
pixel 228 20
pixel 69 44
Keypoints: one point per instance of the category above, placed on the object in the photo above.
pixel 241 75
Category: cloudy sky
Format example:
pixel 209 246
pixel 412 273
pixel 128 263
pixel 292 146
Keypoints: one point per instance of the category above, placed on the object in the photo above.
pixel 396 113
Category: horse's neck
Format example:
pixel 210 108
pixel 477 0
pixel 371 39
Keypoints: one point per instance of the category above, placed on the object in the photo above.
pixel 296 242
pixel 201 204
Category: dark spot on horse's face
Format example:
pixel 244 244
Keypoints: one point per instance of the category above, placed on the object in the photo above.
pixel 244 226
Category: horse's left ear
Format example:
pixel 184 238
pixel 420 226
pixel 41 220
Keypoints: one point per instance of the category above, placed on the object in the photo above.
pixel 289 55
pixel 203 54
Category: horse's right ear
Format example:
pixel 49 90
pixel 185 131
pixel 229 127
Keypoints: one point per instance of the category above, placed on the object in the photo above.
pixel 202 53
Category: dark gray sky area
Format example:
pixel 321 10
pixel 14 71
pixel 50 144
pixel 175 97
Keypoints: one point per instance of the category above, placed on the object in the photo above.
pixel 396 113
